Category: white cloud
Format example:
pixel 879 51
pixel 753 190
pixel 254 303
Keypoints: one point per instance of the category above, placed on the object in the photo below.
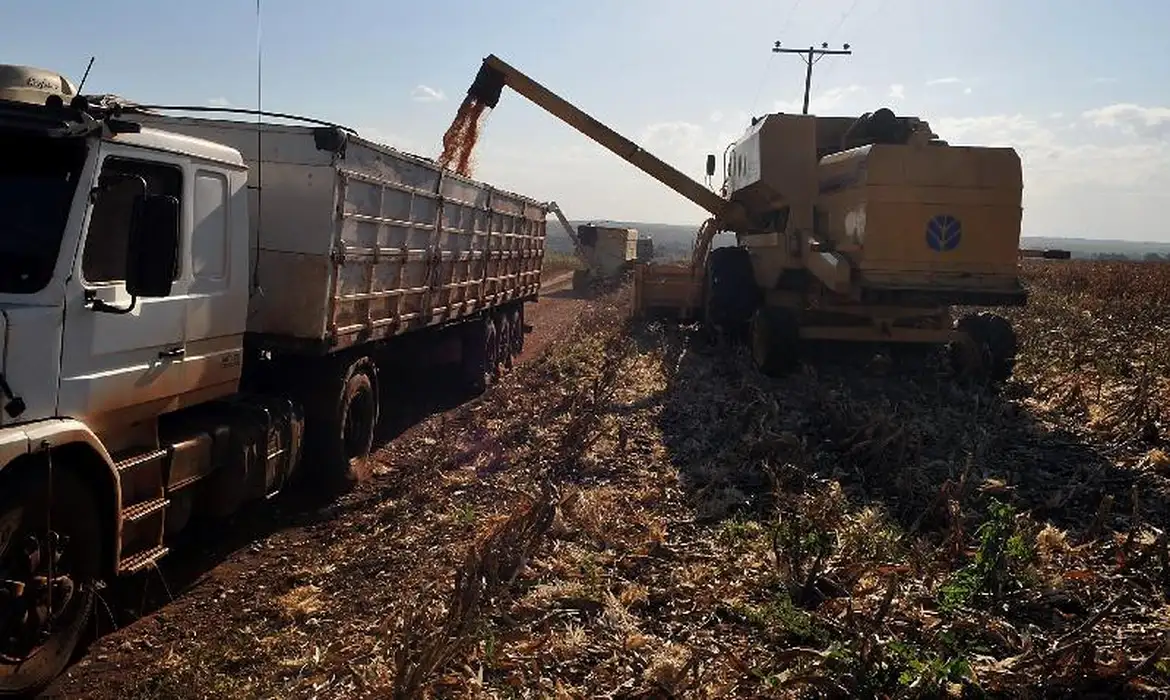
pixel 673 135
pixel 425 93
pixel 393 139
pixel 897 91
pixel 1147 122
pixel 1113 186
pixel 951 80
pixel 824 102
pixel 966 91
pixel 219 102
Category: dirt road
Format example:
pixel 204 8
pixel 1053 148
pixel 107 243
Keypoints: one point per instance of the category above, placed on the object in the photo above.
pixel 208 589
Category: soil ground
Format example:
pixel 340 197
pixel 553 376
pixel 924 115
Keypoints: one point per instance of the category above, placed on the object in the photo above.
pixel 635 512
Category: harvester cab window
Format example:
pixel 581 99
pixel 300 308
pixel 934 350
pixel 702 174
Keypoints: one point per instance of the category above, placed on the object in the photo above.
pixel 104 258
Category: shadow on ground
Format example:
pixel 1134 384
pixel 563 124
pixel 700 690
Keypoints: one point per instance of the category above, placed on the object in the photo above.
pixel 906 436
pixel 206 545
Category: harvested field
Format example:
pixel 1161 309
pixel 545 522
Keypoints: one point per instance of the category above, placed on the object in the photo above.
pixel 634 513
pixel 555 263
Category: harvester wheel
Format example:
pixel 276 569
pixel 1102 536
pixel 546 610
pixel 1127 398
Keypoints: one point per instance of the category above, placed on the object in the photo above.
pixel 580 280
pixel 989 349
pixel 775 339
pixel 730 294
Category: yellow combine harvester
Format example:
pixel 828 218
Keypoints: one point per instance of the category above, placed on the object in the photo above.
pixel 605 252
pixel 848 229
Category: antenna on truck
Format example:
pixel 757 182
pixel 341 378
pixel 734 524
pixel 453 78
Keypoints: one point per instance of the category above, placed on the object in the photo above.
pixel 259 153
pixel 85 75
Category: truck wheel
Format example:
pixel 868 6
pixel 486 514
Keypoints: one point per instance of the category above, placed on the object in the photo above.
pixel 517 316
pixel 504 333
pixel 775 338
pixel 492 351
pixel 49 565
pixel 344 435
pixel 478 361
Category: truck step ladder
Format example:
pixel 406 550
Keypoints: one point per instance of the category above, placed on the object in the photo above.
pixel 141 561
pixel 141 482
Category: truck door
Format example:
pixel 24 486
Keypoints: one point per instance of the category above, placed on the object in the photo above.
pixel 121 367
pixel 217 309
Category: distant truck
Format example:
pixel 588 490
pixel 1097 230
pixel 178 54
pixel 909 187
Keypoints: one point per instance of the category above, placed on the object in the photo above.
pixel 193 310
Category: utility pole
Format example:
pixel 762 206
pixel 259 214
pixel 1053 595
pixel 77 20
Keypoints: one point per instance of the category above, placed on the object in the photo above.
pixel 810 56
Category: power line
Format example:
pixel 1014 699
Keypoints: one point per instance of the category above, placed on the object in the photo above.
pixel 847 14
pixel 783 27
pixel 841 20
pixel 810 56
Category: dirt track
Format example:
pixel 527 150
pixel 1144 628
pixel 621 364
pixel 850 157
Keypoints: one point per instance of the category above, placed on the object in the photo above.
pixel 206 588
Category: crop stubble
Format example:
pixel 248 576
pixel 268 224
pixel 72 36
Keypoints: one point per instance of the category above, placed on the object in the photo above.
pixel 641 516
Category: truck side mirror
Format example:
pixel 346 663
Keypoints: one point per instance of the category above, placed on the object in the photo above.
pixel 710 165
pixel 153 250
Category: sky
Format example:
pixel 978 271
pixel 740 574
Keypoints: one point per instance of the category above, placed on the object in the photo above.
pixel 1081 89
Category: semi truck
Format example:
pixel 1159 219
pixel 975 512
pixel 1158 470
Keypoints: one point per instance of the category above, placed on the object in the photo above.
pixel 197 310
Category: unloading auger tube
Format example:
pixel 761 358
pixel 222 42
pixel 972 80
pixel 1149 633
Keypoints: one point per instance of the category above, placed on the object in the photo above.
pixel 494 74
pixel 555 209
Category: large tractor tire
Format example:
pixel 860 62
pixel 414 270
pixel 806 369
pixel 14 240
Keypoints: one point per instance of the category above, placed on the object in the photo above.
pixel 730 295
pixel 581 281
pixel 988 350
pixel 775 340
pixel 50 559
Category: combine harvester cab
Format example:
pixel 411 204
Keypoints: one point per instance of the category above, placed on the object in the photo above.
pixel 864 229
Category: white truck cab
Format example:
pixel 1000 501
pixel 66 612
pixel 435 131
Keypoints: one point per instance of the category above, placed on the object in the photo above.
pixel 109 345
pixel 123 298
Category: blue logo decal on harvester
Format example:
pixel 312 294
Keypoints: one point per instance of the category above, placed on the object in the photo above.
pixel 943 233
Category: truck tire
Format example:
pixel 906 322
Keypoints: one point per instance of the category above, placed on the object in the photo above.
pixel 342 434
pixel 516 322
pixel 478 357
pixel 32 652
pixel 504 333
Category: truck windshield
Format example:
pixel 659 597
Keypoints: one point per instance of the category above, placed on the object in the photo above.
pixel 38 176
